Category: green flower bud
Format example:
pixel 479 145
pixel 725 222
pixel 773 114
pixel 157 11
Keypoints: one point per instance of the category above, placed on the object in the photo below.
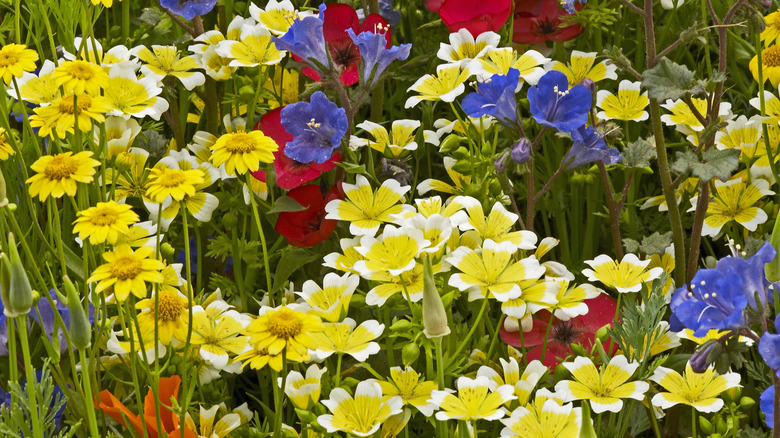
pixel 586 430
pixel 167 251
pixel 402 325
pixel 3 197
pixel 720 425
pixel 450 144
pixel 80 329
pixel 20 296
pixel 434 315
pixel 410 353
pixel 5 279
pixel 746 402
pixel 706 426
pixel 462 166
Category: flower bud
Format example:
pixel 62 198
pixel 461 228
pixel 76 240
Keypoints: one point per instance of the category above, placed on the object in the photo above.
pixel 702 358
pixel 410 353
pixel 450 144
pixel 5 279
pixel 434 316
pixel 501 163
pixel 746 403
pixel 521 151
pixel 587 430
pixel 772 269
pixel 80 329
pixel 3 197
pixel 167 251
pixel 20 296
pixel 589 84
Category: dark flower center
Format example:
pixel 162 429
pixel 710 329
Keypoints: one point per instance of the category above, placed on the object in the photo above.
pixel 344 53
pixel 564 332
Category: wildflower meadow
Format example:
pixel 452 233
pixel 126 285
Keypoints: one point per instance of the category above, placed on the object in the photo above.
pixel 381 218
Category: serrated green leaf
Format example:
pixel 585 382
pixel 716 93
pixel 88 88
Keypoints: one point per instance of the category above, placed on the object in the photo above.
pixel 669 80
pixel 286 204
pixel 631 245
pixel 638 153
pixel 656 243
pixel 714 163
pixel 353 168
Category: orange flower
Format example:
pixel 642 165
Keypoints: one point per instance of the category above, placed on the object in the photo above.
pixel 169 420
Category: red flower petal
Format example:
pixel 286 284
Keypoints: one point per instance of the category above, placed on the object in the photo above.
pixel 541 20
pixel 376 24
pixel 308 227
pixel 475 16
pixel 338 18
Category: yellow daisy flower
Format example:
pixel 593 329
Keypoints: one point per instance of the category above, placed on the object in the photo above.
pixel 242 152
pixel 127 271
pixel 331 301
pixel 445 86
pixel 583 65
pixel 304 392
pixel 772 30
pixel 164 61
pixel 61 114
pixel 252 49
pixel 360 415
pixel 407 385
pixel 605 388
pixel 257 359
pixel 171 317
pixel 492 272
pixel 281 328
pixel 499 60
pixel 216 332
pixel 681 114
pixel 698 390
pixel 57 175
pixel 626 275
pixel 165 180
pixel 15 59
pixel 629 104
pixel 734 200
pixel 6 150
pixel 105 222
pixel 477 399
pixel 80 77
pixel 365 209
pixel 346 338
pixel 770 65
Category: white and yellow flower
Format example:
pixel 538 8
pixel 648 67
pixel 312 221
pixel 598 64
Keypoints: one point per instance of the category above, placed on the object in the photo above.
pixel 162 61
pixel 277 16
pixel 226 423
pixel 407 385
pixel 40 89
pixel 365 209
pixel 629 104
pixel 570 298
pixel 120 134
pixel 537 295
pixel 205 54
pixel 743 134
pixel 499 60
pixel 304 392
pixel 410 284
pixel 682 115
pixel 217 333
pixel 133 97
pixel 627 275
pixel 496 226
pixel 445 86
pixel 362 414
pixel 345 338
pixel 734 200
pixel 546 417
pixel 459 180
pixel 393 252
pixel 605 388
pixel 523 384
pixel 491 272
pixel 252 49
pixel 346 260
pixel 464 48
pixel 699 390
pixel 395 143
pixel 330 302
pixel 477 399
pixel 582 65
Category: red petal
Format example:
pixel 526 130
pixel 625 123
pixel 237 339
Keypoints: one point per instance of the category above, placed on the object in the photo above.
pixel 376 24
pixel 338 18
pixel 556 352
pixel 476 16
pixel 271 125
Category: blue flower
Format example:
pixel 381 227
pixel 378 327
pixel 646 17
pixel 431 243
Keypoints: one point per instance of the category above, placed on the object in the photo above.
pixel 767 404
pixel 589 146
pixel 306 40
pixel 374 51
pixel 556 106
pixel 317 126
pixel 769 348
pixel 752 272
pixel 189 9
pixel 495 97
pixel 715 301
pixel 569 5
pixel 386 11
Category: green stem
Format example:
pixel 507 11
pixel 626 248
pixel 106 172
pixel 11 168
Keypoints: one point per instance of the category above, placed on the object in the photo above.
pixel 262 242
pixel 88 396
pixel 186 376
pixel 278 414
pixel 31 381
pixel 693 423
pixel 12 356
pixel 465 340
pixel 125 20
pixel 546 335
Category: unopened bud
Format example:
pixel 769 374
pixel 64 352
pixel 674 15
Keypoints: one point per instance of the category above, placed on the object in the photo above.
pixel 20 297
pixel 80 329
pixel 589 84
pixel 501 163
pixel 434 316
pixel 450 143
pixel 167 251
pixel 410 353
pixel 702 358
pixel 521 151
pixel 3 197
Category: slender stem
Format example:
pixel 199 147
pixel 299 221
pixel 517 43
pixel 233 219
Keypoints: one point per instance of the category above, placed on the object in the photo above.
pixel 17 22
pixel 698 224
pixel 88 395
pixel 279 412
pixel 462 345
pixel 693 423
pixel 530 197
pixel 31 380
pixel 259 224
pixel 776 407
pixel 126 21
pixel 653 420
pixel 546 336
pixel 548 184
pixel 614 213
pixel 186 376
pixel 13 358
pixel 338 370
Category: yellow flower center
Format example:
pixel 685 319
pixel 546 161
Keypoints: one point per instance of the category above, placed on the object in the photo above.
pixel 8 59
pixel 67 103
pixel 171 177
pixel 80 70
pixel 104 216
pixel 169 307
pixel 284 324
pixel 126 268
pixel 240 142
pixel 771 56
pixel 61 167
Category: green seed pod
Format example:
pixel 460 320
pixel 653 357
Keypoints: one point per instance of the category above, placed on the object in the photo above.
pixel 434 315
pixel 80 329
pixel 410 353
pixel 20 296
pixel 450 144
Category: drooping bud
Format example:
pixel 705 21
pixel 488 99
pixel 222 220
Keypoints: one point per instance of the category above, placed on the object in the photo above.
pixel 589 84
pixel 702 358
pixel 80 329
pixel 20 296
pixel 521 151
pixel 501 163
pixel 434 316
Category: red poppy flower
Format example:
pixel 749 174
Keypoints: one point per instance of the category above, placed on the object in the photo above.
pixel 290 173
pixel 475 16
pixel 346 55
pixel 308 227
pixel 580 330
pixel 169 388
pixel 433 5
pixel 542 20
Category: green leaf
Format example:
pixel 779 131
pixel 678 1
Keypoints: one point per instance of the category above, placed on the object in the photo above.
pixel 286 203
pixel 290 262
pixel 352 168
pixel 150 16
pixel 631 245
pixel 668 80
pixel 638 153
pixel 714 163
pixel 656 243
